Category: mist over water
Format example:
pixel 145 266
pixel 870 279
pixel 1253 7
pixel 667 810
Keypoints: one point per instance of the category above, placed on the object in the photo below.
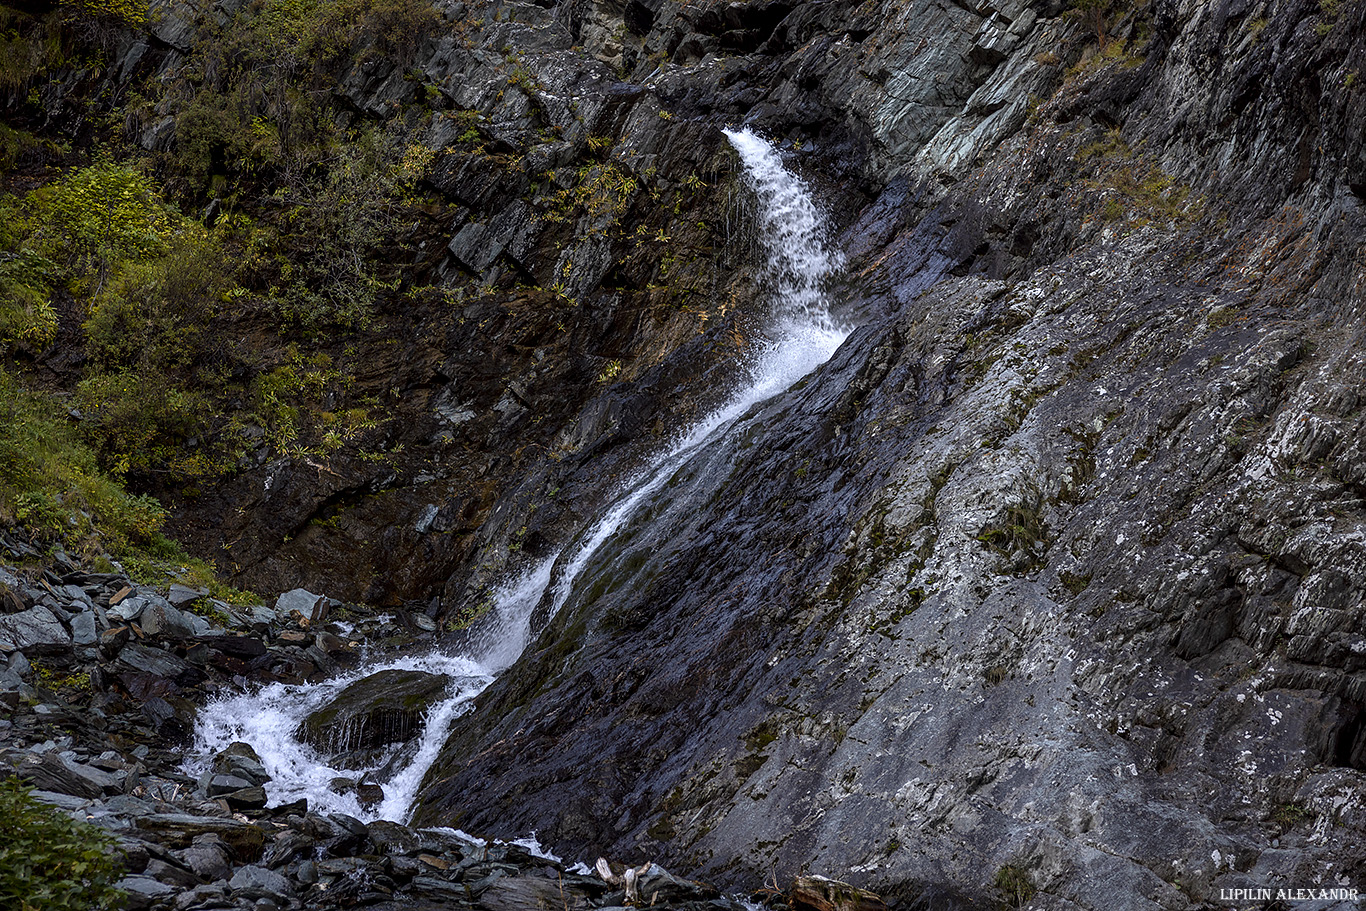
pixel 800 337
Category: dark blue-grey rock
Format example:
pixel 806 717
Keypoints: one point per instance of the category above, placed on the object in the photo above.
pixel 240 761
pixel 148 660
pixel 144 891
pixel 130 608
pixel 384 708
pixel 48 771
pixel 163 620
pixel 226 784
pixel 181 595
pixel 83 632
pixel 208 857
pixel 258 882
pixel 296 600
pixel 35 631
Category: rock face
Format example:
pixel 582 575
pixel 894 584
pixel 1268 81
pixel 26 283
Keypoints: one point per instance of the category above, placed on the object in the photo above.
pixel 381 709
pixel 1052 580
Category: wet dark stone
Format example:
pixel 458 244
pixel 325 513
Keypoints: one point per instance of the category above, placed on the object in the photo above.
pixel 381 709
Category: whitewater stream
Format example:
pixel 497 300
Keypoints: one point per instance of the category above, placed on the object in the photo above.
pixel 801 336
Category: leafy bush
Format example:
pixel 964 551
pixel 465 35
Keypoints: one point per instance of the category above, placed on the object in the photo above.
pixel 50 862
pixel 338 224
pixel 50 481
pixel 26 313
pixel 98 217
pixel 154 314
pixel 131 13
pixel 139 421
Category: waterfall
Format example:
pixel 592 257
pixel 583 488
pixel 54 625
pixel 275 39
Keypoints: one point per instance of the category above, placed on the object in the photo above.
pixel 801 336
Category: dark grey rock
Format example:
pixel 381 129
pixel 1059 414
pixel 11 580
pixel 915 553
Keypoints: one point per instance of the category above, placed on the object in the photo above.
pixel 48 771
pixel 144 891
pixel 36 631
pixel 247 799
pixel 525 893
pixel 182 595
pixel 297 600
pixel 381 709
pixel 130 608
pixel 148 660
pixel 258 882
pixel 226 784
pixel 208 857
pixel 83 631
pixel 166 621
pixel 245 840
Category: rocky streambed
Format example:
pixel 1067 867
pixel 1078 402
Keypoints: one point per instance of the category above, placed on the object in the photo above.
pixel 103 683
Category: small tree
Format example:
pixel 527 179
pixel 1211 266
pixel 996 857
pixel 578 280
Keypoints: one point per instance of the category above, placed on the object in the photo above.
pixel 1095 14
pixel 97 218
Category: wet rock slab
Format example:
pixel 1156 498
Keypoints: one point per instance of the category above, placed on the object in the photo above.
pixel 380 709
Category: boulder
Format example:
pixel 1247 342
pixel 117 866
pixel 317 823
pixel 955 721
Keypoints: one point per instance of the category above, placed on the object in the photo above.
pixel 381 709
pixel 208 857
pixel 179 830
pixel 525 893
pixel 246 799
pixel 144 891
pixel 50 772
pixel 128 608
pixel 239 761
pixel 301 600
pixel 35 631
pixel 654 883
pixel 816 893
pixel 83 631
pixel 181 595
pixel 258 882
pixel 161 619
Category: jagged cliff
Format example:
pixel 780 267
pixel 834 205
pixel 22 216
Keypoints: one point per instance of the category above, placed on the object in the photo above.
pixel 1057 567
pixel 1052 576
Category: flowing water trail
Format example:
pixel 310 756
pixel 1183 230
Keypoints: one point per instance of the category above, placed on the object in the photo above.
pixel 801 337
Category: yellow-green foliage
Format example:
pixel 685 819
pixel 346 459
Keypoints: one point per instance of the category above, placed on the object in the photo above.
pixel 1134 189
pixel 26 313
pixel 94 220
pixel 50 862
pixel 292 403
pixel 601 194
pixel 255 99
pixel 337 224
pixel 50 481
pixel 132 13
pixel 140 421
pixel 28 48
pixel 154 314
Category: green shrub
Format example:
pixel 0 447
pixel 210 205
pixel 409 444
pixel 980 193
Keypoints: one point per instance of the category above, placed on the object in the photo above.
pixel 50 862
pixel 130 13
pixel 26 313
pixel 336 227
pixel 1015 884
pixel 139 421
pixel 98 217
pixel 50 481
pixel 154 314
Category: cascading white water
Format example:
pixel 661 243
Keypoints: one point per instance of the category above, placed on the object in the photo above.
pixel 802 336
pixel 269 718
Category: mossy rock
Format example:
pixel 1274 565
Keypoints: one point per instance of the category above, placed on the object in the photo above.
pixel 381 709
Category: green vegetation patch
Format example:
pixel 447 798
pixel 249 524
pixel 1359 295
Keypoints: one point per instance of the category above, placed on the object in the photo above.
pixel 50 862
